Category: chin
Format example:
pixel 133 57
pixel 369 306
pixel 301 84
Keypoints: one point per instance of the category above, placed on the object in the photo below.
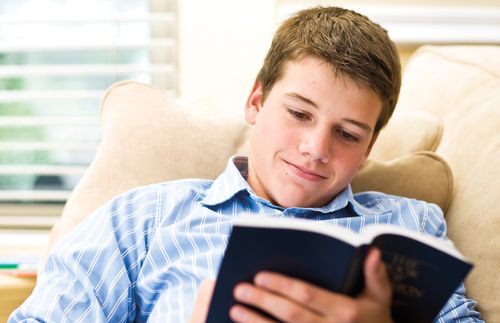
pixel 289 201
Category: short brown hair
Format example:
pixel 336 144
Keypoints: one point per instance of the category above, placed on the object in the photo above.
pixel 351 43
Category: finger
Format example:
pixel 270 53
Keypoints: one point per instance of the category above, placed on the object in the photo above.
pixel 377 282
pixel 239 313
pixel 317 299
pixel 277 305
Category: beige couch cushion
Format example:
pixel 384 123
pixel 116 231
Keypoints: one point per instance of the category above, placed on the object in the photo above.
pixel 147 139
pixel 461 86
pixel 406 133
pixel 422 175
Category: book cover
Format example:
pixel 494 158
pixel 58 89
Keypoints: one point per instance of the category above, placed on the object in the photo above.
pixel 424 271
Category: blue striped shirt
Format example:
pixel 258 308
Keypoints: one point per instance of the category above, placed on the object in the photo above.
pixel 142 256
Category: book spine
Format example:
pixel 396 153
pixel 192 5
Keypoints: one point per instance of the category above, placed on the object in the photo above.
pixel 355 279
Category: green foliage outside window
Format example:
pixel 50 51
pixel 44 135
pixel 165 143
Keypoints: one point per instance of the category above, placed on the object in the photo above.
pixel 11 134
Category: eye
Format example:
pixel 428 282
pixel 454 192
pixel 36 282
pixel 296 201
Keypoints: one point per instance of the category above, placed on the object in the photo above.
pixel 347 136
pixel 297 115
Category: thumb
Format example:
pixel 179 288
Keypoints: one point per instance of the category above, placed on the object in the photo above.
pixel 200 309
pixel 207 287
pixel 377 284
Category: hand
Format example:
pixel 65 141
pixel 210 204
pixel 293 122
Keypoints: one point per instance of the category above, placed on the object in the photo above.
pixel 200 310
pixel 293 300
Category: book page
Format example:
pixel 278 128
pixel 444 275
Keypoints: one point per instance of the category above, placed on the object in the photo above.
pixel 446 246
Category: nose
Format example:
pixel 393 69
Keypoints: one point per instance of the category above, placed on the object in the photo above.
pixel 317 145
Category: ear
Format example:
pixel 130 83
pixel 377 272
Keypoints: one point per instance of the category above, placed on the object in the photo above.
pixel 254 103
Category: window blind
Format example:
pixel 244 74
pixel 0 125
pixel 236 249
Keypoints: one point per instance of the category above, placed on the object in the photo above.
pixel 57 57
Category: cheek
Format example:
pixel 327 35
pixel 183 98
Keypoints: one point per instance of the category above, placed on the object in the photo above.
pixel 279 135
pixel 289 135
pixel 350 162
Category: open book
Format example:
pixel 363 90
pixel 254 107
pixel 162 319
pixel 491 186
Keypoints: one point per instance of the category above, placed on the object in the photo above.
pixel 424 270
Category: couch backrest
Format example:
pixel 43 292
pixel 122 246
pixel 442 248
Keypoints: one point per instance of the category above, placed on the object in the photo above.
pixel 461 86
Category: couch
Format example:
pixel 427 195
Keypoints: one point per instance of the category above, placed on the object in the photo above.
pixel 442 145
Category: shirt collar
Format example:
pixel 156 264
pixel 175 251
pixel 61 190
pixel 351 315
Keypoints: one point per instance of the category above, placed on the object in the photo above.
pixel 234 180
pixel 229 183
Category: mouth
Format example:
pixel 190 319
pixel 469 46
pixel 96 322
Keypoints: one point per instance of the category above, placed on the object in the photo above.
pixel 304 173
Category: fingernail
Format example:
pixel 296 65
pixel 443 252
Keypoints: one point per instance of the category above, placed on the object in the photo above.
pixel 241 292
pixel 261 279
pixel 236 314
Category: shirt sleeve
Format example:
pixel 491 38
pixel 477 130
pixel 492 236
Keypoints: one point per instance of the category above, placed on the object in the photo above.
pixel 90 276
pixel 458 308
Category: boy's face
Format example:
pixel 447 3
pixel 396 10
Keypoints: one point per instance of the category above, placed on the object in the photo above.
pixel 311 134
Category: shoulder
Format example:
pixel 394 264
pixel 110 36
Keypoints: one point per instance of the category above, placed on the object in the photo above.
pixel 411 213
pixel 386 201
pixel 151 201
pixel 151 194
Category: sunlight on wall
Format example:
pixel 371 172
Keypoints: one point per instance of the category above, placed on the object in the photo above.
pixel 222 44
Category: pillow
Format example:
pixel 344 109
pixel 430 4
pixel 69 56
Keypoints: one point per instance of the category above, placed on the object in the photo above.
pixel 422 175
pixel 407 132
pixel 147 139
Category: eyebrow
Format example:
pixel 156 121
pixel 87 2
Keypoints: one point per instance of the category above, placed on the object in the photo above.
pixel 299 97
pixel 308 101
pixel 362 125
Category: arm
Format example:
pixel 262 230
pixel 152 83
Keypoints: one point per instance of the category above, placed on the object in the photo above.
pixel 90 275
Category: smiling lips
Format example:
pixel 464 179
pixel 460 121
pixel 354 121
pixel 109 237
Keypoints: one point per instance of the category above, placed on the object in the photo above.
pixel 305 173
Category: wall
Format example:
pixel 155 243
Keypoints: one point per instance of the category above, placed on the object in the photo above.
pixel 221 46
pixel 222 42
pixel 437 3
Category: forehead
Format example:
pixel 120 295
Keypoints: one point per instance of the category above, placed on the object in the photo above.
pixel 314 82
pixel 296 62
pixel 319 74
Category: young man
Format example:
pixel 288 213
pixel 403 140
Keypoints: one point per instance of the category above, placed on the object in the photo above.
pixel 328 85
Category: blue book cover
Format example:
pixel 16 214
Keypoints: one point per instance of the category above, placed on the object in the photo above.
pixel 424 270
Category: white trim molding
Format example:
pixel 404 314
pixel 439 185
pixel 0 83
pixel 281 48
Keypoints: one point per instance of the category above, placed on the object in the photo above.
pixel 418 25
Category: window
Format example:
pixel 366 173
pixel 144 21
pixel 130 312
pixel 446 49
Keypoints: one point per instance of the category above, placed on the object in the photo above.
pixel 57 57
